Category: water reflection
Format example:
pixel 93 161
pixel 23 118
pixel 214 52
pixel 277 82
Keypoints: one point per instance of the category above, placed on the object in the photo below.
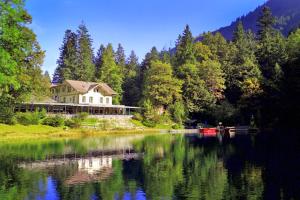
pixel 149 167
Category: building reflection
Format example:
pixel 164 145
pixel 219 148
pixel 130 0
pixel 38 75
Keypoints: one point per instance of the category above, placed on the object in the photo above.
pixel 93 169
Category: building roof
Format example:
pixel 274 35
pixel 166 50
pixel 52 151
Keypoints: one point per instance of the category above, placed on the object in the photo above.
pixel 84 87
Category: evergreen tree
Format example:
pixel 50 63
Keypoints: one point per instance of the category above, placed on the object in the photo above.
pixel 265 24
pixel 111 73
pixel 68 60
pixel 86 67
pixel 244 76
pixel 47 76
pixel 165 56
pixel 151 56
pixel 272 55
pixel 98 60
pixel 184 48
pixel 132 93
pixel 161 87
pixel 120 57
pixel 211 73
pixel 272 48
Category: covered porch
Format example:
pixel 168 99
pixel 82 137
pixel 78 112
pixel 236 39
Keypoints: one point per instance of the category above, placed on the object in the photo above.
pixel 73 109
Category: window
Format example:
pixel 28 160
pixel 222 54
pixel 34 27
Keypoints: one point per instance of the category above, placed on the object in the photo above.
pixel 63 89
pixel 64 99
pixel 101 99
pixel 73 99
pixel 83 99
pixel 91 99
pixel 69 89
pixel 107 100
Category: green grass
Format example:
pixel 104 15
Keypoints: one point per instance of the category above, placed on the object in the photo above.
pixel 137 123
pixel 21 133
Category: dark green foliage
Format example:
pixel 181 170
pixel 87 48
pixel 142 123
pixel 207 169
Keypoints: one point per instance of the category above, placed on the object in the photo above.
pixel 132 93
pixel 120 57
pixel 98 60
pixel 178 112
pixel 111 73
pixel 184 48
pixel 55 121
pixel 30 118
pixel 86 67
pixel 67 64
pixel 287 17
pixel 160 86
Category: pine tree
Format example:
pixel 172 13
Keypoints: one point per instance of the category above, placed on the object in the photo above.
pixel 67 63
pixel 272 47
pixel 98 60
pixel 265 24
pixel 47 76
pixel 120 57
pixel 153 55
pixel 184 48
pixel 244 76
pixel 111 73
pixel 132 93
pixel 165 56
pixel 86 67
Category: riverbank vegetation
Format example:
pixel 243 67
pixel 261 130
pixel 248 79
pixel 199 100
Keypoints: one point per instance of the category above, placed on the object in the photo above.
pixel 254 76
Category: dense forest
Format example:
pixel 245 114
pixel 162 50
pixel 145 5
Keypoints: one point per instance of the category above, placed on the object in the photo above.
pixel 253 78
pixel 287 14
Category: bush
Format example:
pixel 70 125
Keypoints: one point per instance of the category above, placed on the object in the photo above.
pixel 177 126
pixel 55 121
pixel 73 123
pixel 8 118
pixel 149 123
pixel 137 116
pixel 82 116
pixel 28 118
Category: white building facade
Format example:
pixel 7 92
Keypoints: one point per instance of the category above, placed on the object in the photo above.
pixel 79 92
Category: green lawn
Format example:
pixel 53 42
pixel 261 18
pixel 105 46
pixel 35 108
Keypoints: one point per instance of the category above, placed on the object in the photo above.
pixel 13 133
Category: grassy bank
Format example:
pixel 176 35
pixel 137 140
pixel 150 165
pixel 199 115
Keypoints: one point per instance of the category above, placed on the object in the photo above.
pixel 11 133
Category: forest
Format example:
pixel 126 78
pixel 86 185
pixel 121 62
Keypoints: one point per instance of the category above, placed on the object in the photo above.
pixel 253 78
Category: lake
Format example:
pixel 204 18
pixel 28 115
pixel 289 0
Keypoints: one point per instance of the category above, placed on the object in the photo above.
pixel 158 166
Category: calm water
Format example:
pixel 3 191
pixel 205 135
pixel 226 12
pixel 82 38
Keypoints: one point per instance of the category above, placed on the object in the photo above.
pixel 150 167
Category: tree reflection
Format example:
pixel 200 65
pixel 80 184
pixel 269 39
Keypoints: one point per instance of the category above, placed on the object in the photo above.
pixel 172 167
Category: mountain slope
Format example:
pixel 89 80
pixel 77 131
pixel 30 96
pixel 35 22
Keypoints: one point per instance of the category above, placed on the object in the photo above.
pixel 287 13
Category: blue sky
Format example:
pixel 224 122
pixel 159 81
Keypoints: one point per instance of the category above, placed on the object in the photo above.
pixel 136 24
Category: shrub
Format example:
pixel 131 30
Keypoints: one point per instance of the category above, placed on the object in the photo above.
pixel 8 117
pixel 43 113
pixel 137 116
pixel 177 126
pixel 73 123
pixel 55 121
pixel 149 123
pixel 82 116
pixel 28 118
pixel 178 112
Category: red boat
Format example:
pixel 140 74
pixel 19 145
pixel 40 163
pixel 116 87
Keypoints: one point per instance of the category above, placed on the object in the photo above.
pixel 208 132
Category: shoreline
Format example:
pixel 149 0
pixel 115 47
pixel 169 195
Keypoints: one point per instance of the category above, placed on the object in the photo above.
pixel 18 133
